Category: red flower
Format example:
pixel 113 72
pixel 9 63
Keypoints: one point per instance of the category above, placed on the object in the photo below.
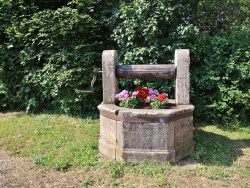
pixel 139 88
pixel 144 96
pixel 162 97
pixel 145 90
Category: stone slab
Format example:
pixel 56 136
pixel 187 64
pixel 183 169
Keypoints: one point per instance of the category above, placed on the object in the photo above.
pixel 109 81
pixel 182 79
pixel 137 156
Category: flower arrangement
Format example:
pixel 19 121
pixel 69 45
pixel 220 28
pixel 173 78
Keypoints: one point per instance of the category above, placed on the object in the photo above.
pixel 142 97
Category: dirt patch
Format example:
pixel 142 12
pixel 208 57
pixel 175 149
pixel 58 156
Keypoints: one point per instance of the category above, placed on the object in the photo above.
pixel 244 161
pixel 21 172
pixel 12 114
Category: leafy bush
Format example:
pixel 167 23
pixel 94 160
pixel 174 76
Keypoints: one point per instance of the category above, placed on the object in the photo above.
pixel 148 32
pixel 48 49
pixel 221 77
pixel 49 53
pixel 215 17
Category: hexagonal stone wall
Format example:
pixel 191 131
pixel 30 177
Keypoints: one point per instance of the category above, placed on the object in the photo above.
pixel 134 135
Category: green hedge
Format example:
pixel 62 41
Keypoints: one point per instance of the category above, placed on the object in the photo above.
pixel 47 53
pixel 220 71
pixel 49 48
pixel 148 32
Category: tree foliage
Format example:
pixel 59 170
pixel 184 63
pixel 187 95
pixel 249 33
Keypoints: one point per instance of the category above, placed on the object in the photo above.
pixel 214 17
pixel 148 32
pixel 217 34
pixel 49 48
pixel 221 77
pixel 48 53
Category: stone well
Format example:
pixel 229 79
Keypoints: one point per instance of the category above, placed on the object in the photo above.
pixel 134 135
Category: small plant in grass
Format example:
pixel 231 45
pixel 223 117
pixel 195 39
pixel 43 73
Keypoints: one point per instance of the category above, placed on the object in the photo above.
pixel 87 182
pixel 41 159
pixel 116 170
pixel 62 163
pixel 153 168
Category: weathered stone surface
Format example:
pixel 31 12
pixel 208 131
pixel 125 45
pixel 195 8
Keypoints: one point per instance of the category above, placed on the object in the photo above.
pixel 108 130
pixel 184 150
pixel 126 112
pixel 107 149
pixel 136 156
pixel 107 141
pixel 182 79
pixel 148 136
pixel 183 127
pixel 168 140
pixel 109 81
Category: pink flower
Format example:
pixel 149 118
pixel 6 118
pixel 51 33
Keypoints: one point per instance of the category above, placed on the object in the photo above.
pixel 135 93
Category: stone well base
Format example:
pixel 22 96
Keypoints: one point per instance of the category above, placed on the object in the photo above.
pixel 134 135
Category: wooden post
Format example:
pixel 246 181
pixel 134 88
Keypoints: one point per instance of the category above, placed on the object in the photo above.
pixel 182 79
pixel 160 71
pixel 109 81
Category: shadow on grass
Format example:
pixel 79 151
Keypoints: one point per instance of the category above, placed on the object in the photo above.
pixel 215 149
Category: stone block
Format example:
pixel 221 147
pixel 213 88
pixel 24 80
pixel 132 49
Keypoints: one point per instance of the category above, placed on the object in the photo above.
pixel 149 136
pixel 137 156
pixel 182 79
pixel 109 81
pixel 183 130
pixel 107 141
pixel 184 150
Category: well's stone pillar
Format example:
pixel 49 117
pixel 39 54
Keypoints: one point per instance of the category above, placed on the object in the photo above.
pixel 109 81
pixel 182 79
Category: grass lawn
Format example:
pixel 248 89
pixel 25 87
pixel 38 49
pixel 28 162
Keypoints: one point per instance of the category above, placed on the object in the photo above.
pixel 68 144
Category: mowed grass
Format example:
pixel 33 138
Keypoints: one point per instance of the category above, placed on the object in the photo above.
pixel 58 142
pixel 221 157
